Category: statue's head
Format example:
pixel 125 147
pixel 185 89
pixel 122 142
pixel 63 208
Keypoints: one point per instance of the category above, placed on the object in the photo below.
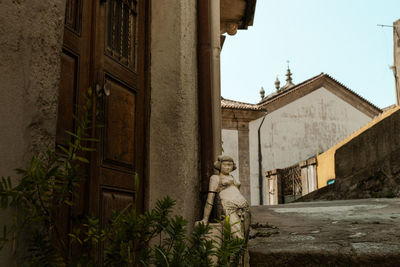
pixel 221 159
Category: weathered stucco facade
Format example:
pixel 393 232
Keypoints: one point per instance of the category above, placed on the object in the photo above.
pixel 174 133
pixel 31 39
pixel 30 44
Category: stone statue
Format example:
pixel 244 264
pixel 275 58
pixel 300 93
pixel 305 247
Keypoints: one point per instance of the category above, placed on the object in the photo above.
pixel 224 195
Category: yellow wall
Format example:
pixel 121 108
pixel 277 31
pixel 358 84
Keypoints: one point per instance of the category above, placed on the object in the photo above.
pixel 326 160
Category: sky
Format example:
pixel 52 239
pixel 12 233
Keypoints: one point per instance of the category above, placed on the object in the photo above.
pixel 337 37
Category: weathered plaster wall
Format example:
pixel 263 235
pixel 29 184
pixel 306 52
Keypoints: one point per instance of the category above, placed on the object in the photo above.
pixel 230 145
pixel 368 166
pixel 174 138
pixel 326 160
pixel 300 130
pixel 30 45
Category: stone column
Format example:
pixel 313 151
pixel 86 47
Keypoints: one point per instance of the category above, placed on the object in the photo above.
pixel 244 163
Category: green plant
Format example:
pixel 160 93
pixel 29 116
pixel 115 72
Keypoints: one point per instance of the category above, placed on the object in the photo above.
pixel 49 185
pixel 231 250
pixel 157 238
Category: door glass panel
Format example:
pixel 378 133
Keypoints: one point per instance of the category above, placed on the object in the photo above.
pixel 73 15
pixel 121 32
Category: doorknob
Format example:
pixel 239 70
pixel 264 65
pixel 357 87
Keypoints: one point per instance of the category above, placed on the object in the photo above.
pixel 104 90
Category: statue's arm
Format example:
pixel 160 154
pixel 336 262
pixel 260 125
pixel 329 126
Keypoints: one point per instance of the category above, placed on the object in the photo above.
pixel 214 180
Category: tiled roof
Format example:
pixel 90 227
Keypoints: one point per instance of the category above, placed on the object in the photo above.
pixel 275 96
pixel 227 103
pixel 354 93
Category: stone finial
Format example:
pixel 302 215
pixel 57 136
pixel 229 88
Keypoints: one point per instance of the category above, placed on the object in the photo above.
pixel 277 83
pixel 289 82
pixel 289 77
pixel 262 92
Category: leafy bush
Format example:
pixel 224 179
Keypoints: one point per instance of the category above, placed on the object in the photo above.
pixel 157 238
pixel 49 184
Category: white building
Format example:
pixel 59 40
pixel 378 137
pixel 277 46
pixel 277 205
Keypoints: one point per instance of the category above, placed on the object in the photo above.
pixel 299 122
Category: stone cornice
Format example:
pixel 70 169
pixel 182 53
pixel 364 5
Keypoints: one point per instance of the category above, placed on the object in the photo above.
pixel 236 14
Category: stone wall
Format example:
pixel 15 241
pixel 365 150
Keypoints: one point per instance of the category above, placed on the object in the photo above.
pixel 369 165
pixel 30 44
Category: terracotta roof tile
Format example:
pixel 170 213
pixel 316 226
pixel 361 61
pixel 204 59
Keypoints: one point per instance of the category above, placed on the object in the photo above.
pixel 227 103
pixel 353 92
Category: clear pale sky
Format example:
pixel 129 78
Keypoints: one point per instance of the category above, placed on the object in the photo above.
pixel 337 37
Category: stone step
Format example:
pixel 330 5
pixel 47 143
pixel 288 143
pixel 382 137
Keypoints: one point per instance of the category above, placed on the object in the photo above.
pixel 364 232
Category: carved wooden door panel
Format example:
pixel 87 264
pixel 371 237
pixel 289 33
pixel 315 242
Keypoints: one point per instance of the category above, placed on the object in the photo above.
pixel 118 64
pixel 74 83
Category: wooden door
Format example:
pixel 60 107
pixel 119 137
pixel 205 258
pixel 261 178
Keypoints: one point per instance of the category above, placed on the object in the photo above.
pixel 74 84
pixel 104 49
pixel 118 63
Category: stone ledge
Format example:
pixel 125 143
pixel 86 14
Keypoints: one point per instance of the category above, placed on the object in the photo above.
pixel 327 233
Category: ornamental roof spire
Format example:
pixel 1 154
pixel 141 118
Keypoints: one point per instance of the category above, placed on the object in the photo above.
pixel 289 81
pixel 277 83
pixel 262 92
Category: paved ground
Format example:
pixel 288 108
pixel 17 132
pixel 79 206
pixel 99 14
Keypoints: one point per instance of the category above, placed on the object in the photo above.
pixel 362 232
